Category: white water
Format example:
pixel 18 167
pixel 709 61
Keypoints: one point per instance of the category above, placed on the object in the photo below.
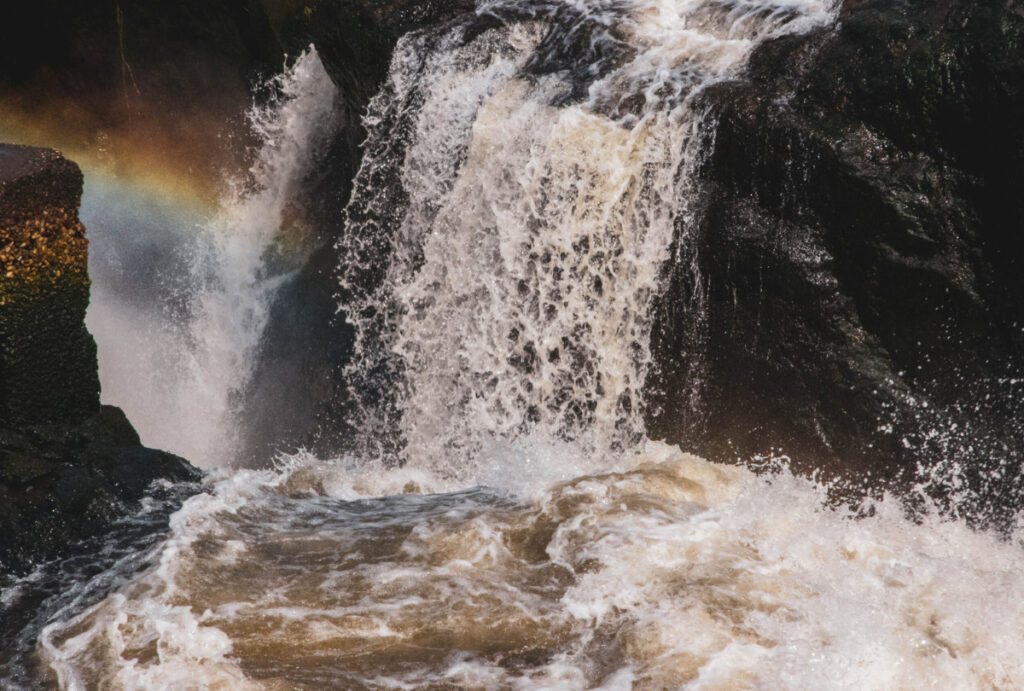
pixel 534 538
pixel 671 573
pixel 177 368
pixel 528 246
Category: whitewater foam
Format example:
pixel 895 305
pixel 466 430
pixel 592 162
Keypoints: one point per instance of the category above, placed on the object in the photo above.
pixel 517 238
pixel 671 572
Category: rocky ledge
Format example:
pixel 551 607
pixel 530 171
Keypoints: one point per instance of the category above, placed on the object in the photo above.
pixel 68 465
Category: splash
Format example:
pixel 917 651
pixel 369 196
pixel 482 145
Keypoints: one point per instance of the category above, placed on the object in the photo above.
pixel 670 572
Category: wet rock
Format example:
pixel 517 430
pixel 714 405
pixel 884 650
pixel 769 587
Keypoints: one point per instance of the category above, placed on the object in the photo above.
pixel 297 376
pixel 68 465
pixel 61 483
pixel 47 358
pixel 858 299
pixel 306 341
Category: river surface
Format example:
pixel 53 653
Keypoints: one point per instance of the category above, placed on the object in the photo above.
pixel 667 572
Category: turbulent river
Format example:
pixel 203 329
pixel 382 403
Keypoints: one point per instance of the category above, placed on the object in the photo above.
pixel 503 520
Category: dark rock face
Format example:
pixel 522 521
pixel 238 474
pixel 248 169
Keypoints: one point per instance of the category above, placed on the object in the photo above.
pixel 67 464
pixel 47 358
pixel 858 297
pixel 355 37
pixel 851 290
pixel 297 378
pixel 61 483
pixel 305 341
pixel 83 46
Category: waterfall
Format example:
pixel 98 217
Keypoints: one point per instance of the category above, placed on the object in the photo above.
pixel 189 357
pixel 529 173
pixel 521 188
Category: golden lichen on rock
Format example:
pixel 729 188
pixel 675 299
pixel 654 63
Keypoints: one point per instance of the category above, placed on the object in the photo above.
pixel 47 358
pixel 68 466
pixel 40 252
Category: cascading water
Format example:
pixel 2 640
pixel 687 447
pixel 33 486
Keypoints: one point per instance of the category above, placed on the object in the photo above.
pixel 527 170
pixel 525 227
pixel 189 357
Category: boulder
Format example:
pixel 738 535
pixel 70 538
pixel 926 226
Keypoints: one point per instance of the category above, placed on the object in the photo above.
pixel 61 483
pixel 47 358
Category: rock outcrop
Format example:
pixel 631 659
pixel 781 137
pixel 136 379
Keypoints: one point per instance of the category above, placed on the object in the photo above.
pixel 47 358
pixel 67 464
pixel 857 302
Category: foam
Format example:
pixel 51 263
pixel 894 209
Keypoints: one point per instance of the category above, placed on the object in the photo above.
pixel 668 571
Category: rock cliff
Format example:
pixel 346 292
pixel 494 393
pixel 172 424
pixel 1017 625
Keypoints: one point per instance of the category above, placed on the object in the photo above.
pixel 849 291
pixel 857 297
pixel 67 464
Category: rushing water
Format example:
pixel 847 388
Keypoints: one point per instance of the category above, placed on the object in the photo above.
pixel 181 295
pixel 529 203
pixel 671 572
pixel 504 522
